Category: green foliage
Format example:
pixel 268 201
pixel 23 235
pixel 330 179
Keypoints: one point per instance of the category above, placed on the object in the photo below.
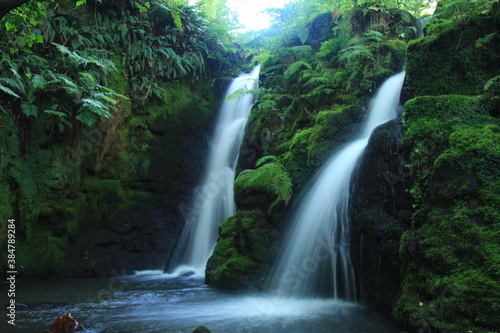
pixel 78 95
pixel 451 14
pixel 296 67
pixel 265 188
pixel 491 82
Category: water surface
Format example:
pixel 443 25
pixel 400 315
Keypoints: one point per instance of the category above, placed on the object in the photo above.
pixel 155 302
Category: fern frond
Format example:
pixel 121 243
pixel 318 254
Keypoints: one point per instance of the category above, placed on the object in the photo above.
pixel 38 82
pixel 242 92
pixel 296 67
pixel 29 109
pixel 15 85
pixel 95 105
pixel 320 79
pixel 56 113
pixel 9 91
pixel 486 39
pixel 490 82
pixel 266 105
pixel 266 160
pixel 105 98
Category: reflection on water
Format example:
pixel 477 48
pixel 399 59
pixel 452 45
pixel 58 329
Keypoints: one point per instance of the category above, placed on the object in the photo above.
pixel 154 302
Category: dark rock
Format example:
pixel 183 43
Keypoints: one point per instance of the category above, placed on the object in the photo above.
pixel 379 209
pixel 66 323
pixel 202 329
pixel 320 31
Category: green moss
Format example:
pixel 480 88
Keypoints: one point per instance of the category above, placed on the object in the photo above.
pixel 43 255
pixel 451 256
pixel 450 63
pixel 267 188
pixel 239 258
pixel 296 158
pixel 331 129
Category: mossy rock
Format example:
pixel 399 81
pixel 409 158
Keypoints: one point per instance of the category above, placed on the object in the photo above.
pixel 267 188
pixel 296 158
pixel 43 255
pixel 452 62
pixel 239 258
pixel 450 257
pixel 331 129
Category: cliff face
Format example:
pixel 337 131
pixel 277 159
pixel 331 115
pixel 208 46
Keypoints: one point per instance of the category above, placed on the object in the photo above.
pixel 449 261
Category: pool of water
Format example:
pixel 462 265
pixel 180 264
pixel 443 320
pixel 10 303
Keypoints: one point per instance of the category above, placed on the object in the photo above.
pixel 154 302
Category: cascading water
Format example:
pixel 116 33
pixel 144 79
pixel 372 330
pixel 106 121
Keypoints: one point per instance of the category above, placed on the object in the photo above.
pixel 316 259
pixel 214 199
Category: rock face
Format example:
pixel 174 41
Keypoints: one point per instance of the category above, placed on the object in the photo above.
pixel 380 209
pixel 449 271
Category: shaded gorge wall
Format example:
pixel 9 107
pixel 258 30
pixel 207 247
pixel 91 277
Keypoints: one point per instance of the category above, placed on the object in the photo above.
pixel 114 205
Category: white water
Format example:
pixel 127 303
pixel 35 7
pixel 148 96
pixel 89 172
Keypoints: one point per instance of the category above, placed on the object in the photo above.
pixel 316 259
pixel 214 199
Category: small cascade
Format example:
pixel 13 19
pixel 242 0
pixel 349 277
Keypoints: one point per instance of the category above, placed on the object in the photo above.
pixel 316 258
pixel 214 198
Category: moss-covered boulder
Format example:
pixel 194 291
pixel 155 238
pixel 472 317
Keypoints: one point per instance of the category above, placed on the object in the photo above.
pixel 239 258
pixel 311 147
pixel 267 188
pixel 450 255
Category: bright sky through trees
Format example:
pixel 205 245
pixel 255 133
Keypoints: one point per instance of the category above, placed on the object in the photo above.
pixel 250 12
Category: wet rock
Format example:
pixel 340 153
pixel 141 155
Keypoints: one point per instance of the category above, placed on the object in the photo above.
pixel 202 329
pixel 379 210
pixel 66 323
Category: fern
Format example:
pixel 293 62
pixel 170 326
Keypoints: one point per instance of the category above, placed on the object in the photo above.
pixel 320 80
pixel 486 39
pixel 7 90
pixel 490 82
pixel 329 47
pixel 266 105
pixel 242 92
pixel 266 160
pixel 296 67
pixel 38 82
pixel 29 109
pixel 56 113
pixel 374 35
pixel 355 51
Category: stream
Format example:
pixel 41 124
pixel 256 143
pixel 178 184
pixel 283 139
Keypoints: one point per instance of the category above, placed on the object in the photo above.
pixel 155 302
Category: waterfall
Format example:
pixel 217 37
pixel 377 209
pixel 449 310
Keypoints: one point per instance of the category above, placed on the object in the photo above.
pixel 214 199
pixel 315 259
